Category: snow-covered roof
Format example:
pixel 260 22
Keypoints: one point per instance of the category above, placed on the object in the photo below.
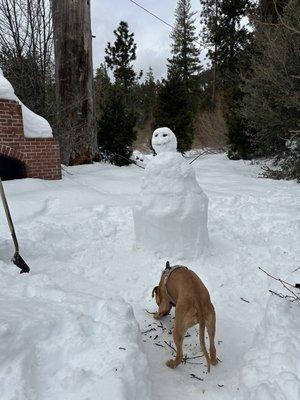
pixel 34 125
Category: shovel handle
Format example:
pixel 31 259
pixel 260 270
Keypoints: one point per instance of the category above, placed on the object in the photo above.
pixel 8 216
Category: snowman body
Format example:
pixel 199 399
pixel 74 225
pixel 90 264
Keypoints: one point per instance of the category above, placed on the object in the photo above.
pixel 170 216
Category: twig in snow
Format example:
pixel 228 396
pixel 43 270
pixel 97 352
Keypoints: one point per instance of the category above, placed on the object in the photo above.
pixel 283 296
pixel 186 359
pixel 284 284
pixel 196 377
pixel 160 325
pixel 122 348
pixel 247 301
pixel 193 363
pixel 158 344
pixel 149 330
pixel 169 344
pixel 276 279
pixel 149 312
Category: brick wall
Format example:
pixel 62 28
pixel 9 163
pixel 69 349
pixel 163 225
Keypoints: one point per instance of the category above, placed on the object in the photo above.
pixel 40 156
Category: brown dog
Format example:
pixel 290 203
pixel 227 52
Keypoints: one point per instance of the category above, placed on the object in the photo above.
pixel 182 288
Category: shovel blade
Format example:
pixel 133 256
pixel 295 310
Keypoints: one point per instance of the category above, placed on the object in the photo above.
pixel 20 263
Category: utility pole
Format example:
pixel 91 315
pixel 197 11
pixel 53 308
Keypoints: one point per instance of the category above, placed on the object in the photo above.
pixel 214 83
pixel 76 126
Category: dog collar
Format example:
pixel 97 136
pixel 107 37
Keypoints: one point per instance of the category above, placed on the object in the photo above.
pixel 166 275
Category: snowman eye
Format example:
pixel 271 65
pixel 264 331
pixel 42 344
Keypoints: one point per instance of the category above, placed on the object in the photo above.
pixel 164 135
pixel 156 135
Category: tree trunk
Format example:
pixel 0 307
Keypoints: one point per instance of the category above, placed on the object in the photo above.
pixel 74 81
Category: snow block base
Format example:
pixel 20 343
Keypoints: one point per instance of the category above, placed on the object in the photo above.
pixel 40 156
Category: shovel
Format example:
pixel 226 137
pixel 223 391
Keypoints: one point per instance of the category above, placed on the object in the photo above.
pixel 17 259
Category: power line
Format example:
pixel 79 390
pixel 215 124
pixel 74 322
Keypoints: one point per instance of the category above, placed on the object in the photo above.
pixel 151 13
pixel 157 17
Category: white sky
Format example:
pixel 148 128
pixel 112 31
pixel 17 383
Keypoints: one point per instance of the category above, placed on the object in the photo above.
pixel 151 35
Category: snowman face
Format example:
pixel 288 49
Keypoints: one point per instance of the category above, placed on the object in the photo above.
pixel 164 140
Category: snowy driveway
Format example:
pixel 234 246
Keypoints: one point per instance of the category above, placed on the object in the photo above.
pixel 77 237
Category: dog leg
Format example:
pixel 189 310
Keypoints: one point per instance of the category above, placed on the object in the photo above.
pixel 202 343
pixel 178 336
pixel 211 329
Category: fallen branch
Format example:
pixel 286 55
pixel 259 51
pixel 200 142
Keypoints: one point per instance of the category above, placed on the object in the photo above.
pixel 169 344
pixel 284 284
pixel 283 296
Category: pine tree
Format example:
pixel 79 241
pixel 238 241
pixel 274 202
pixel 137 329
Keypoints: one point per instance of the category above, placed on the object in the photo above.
pixel 177 96
pixel 226 36
pixel 120 56
pixel 271 94
pixel 185 53
pixel 150 91
pixel 102 87
pixel 172 110
pixel 116 132
pixel 229 41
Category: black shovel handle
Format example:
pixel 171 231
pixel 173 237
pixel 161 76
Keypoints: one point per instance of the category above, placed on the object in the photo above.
pixel 17 259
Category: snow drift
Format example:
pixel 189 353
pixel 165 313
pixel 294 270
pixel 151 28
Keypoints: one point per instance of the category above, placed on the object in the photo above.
pixel 272 366
pixel 70 346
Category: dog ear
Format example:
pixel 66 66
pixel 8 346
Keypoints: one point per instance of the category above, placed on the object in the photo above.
pixel 154 290
pixel 168 265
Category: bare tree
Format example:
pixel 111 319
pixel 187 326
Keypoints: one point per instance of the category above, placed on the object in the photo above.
pixel 74 80
pixel 26 50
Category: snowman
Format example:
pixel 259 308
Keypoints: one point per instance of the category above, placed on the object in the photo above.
pixel 170 217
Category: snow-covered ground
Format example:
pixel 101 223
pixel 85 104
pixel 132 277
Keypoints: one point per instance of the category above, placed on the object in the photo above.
pixel 67 330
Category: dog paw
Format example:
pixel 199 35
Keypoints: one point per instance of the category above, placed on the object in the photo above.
pixel 213 361
pixel 171 364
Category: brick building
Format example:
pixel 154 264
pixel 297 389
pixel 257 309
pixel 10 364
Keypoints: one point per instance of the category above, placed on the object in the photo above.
pixel 22 152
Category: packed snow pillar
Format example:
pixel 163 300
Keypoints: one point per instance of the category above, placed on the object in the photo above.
pixel 170 217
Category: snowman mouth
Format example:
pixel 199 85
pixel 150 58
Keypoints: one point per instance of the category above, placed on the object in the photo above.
pixel 162 144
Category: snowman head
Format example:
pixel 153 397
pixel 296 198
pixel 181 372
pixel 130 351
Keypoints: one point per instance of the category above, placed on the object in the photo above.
pixel 164 140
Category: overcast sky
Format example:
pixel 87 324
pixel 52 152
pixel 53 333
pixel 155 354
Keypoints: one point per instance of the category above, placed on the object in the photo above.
pixel 151 35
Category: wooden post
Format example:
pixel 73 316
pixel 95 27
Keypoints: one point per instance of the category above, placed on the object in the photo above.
pixel 74 81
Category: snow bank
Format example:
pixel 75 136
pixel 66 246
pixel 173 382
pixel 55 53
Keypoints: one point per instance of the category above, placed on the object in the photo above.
pixel 35 126
pixel 272 366
pixel 56 345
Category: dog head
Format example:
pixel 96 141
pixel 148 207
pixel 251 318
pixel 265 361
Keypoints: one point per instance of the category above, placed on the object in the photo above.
pixel 158 291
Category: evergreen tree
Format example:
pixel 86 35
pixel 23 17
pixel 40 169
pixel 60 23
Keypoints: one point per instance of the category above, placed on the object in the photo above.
pixel 230 42
pixel 102 87
pixel 150 94
pixel 172 110
pixel 271 104
pixel 120 56
pixel 116 132
pixel 185 53
pixel 176 103
pixel 227 36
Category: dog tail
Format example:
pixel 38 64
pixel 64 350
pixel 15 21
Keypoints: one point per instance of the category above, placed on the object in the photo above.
pixel 202 336
pixel 202 343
